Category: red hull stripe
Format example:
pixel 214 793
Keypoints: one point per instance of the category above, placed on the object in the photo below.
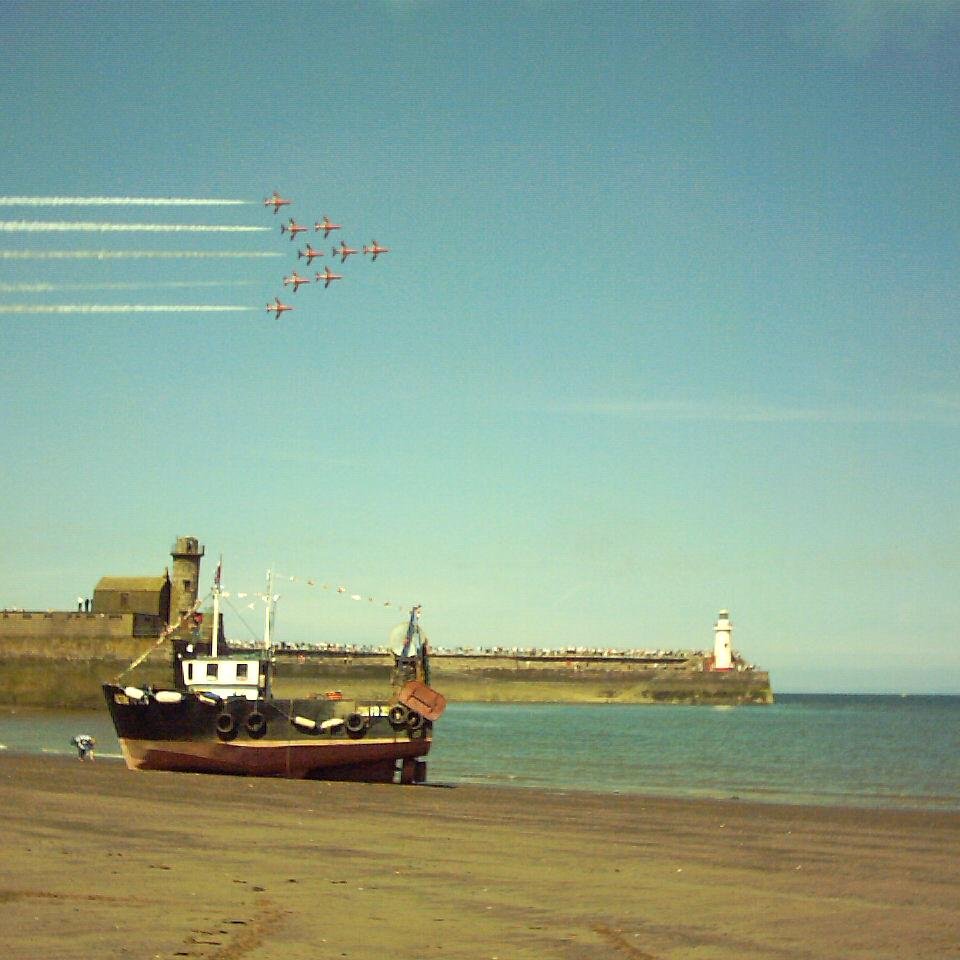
pixel 346 759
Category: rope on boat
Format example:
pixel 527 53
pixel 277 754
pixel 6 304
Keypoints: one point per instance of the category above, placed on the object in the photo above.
pixel 164 635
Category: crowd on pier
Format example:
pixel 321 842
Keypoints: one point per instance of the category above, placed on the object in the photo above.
pixel 531 653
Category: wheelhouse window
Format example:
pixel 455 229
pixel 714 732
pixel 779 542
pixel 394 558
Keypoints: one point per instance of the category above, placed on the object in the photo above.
pixel 241 671
pixel 212 670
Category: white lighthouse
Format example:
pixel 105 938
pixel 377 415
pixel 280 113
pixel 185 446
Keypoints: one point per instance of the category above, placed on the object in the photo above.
pixel 723 642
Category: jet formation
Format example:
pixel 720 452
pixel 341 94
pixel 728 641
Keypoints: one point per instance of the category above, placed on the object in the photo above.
pixel 325 226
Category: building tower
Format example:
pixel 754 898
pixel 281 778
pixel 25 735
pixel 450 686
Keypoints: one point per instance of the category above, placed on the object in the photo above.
pixel 723 642
pixel 185 580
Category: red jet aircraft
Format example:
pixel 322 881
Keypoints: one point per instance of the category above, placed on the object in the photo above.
pixel 277 307
pixel 375 249
pixel 309 253
pixel 293 228
pixel 327 277
pixel 343 252
pixel 296 280
pixel 326 226
pixel 276 201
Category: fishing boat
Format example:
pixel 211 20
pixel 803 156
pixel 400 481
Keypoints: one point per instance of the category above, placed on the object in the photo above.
pixel 220 716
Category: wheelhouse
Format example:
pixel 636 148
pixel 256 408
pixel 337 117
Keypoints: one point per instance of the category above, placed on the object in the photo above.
pixel 225 676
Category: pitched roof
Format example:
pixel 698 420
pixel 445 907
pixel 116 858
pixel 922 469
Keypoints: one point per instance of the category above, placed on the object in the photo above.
pixel 133 584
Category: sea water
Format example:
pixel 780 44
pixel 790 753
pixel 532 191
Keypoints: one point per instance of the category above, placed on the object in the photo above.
pixel 834 750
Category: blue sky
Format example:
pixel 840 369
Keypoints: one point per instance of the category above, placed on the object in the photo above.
pixel 668 325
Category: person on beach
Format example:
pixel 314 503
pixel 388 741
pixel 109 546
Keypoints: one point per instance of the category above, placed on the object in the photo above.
pixel 84 744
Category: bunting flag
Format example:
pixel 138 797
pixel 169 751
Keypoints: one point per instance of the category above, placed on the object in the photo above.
pixel 264 597
pixel 243 594
pixel 345 591
pixel 313 583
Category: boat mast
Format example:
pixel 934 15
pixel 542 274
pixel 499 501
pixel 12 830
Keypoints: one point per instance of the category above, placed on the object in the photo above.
pixel 215 633
pixel 413 630
pixel 268 615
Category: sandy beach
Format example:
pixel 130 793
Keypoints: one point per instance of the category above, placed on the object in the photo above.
pixel 100 861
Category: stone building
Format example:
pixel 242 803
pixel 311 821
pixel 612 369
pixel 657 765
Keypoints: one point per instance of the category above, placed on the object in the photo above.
pixel 124 609
pixel 149 595
pixel 186 553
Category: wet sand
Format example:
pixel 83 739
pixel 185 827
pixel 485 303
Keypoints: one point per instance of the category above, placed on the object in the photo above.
pixel 98 861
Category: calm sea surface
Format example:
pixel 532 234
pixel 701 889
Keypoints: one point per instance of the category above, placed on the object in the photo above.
pixel 833 750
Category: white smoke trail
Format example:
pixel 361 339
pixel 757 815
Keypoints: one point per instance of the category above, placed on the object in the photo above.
pixel 122 285
pixel 48 226
pixel 128 254
pixel 119 201
pixel 122 308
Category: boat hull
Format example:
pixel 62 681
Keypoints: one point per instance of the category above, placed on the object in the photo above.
pixel 296 739
pixel 380 761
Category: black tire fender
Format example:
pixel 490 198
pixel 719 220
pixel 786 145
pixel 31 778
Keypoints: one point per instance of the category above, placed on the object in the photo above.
pixel 356 725
pixel 415 721
pixel 226 726
pixel 256 725
pixel 398 716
